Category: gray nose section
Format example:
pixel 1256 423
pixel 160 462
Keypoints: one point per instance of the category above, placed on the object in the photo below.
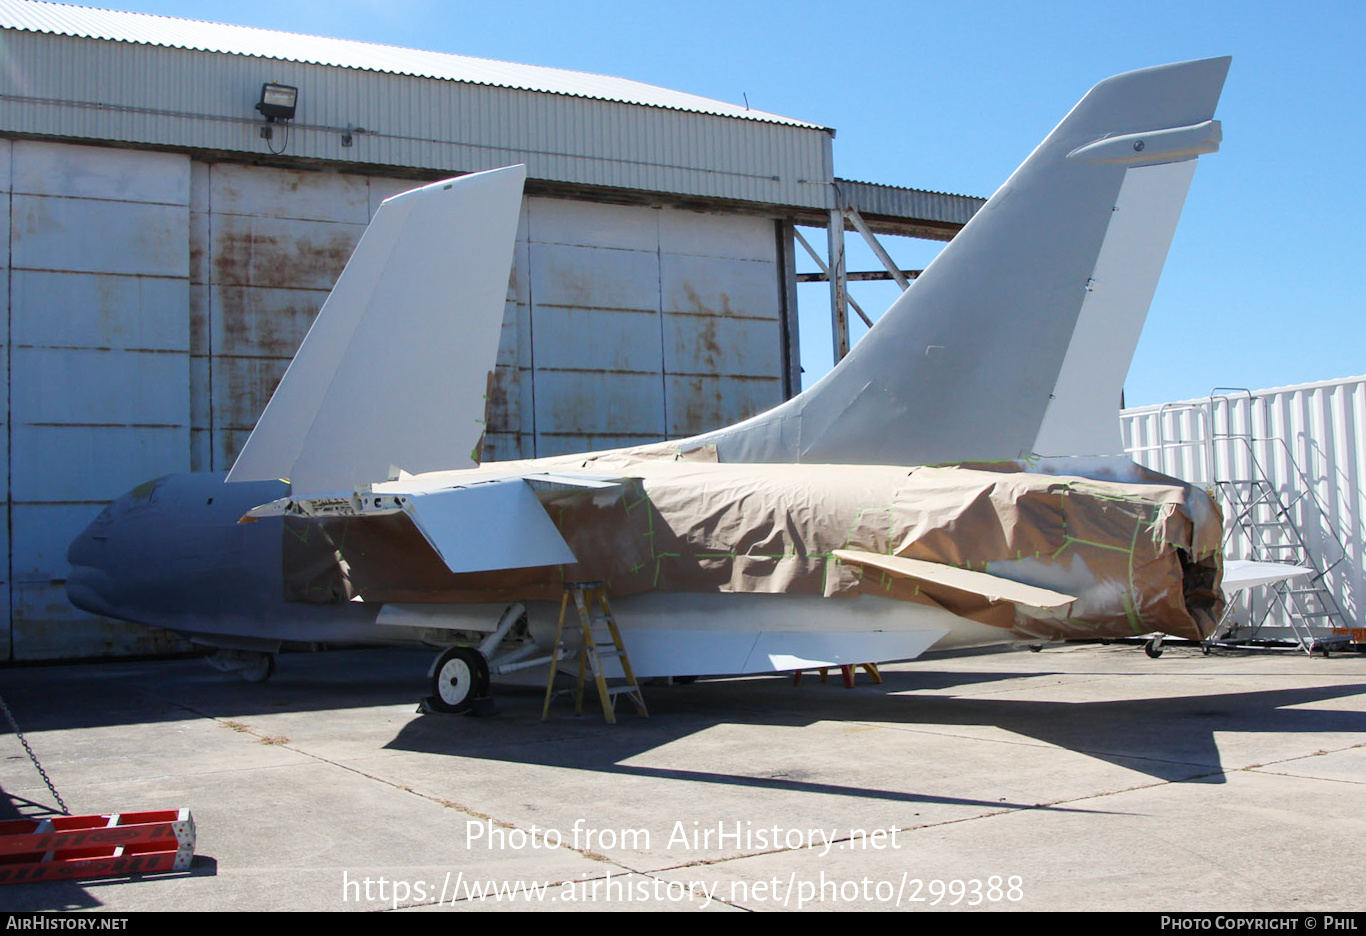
pixel 87 548
pixel 88 584
pixel 170 553
pixel 86 589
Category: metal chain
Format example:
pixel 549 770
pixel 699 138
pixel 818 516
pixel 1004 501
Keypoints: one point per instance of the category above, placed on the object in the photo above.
pixel 33 757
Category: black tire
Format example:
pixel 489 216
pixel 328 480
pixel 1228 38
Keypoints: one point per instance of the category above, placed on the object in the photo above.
pixel 1153 649
pixel 261 672
pixel 460 676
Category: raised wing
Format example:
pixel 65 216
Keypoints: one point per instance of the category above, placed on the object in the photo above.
pixel 395 368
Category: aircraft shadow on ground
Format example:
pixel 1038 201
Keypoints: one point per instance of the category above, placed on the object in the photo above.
pixel 1171 739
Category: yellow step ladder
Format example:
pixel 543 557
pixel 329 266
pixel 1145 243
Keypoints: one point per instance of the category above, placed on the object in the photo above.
pixel 598 629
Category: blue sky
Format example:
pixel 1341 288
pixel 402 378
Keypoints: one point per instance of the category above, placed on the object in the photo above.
pixel 1263 284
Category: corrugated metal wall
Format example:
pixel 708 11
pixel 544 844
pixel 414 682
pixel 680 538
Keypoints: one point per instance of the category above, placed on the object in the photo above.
pixel 266 245
pixel 154 302
pixel 679 310
pixel 94 89
pixel 1310 439
pixel 892 200
pixel 6 164
pixel 98 362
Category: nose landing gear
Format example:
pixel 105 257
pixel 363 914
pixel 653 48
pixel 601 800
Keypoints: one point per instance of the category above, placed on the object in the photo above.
pixel 252 665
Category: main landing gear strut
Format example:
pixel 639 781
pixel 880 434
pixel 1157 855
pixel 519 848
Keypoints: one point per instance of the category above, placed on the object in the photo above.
pixel 460 675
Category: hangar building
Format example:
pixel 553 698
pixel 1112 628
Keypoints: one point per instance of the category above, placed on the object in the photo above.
pixel 166 249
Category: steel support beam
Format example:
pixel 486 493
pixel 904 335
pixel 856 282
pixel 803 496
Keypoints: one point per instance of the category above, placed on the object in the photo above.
pixel 851 212
pixel 839 288
pixel 787 269
pixel 857 276
pixel 824 276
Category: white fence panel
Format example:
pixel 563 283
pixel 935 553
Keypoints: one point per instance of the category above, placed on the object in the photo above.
pixel 1309 442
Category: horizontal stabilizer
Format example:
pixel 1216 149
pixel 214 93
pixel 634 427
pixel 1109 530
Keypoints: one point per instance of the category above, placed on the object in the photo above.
pixel 395 368
pixel 991 587
pixel 554 481
pixel 1240 574
pixel 484 527
pixel 540 481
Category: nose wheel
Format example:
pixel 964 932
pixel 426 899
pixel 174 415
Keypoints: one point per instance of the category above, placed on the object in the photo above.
pixel 251 665
pixel 260 670
pixel 460 676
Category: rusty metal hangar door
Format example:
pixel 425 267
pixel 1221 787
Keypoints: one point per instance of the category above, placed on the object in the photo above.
pixel 154 302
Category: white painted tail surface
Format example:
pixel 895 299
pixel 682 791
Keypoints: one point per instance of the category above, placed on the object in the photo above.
pixel 395 368
pixel 1017 338
pixel 1015 341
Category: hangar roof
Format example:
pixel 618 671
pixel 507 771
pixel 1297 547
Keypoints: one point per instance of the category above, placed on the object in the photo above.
pixel 89 23
pixel 164 82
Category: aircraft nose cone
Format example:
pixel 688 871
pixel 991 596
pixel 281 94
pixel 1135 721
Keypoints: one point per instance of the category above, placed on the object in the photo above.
pixel 88 582
pixel 85 589
pixel 89 545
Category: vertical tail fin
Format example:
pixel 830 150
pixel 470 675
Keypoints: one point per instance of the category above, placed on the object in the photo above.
pixel 1017 338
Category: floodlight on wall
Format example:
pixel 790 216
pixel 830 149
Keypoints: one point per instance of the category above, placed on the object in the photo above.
pixel 278 101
